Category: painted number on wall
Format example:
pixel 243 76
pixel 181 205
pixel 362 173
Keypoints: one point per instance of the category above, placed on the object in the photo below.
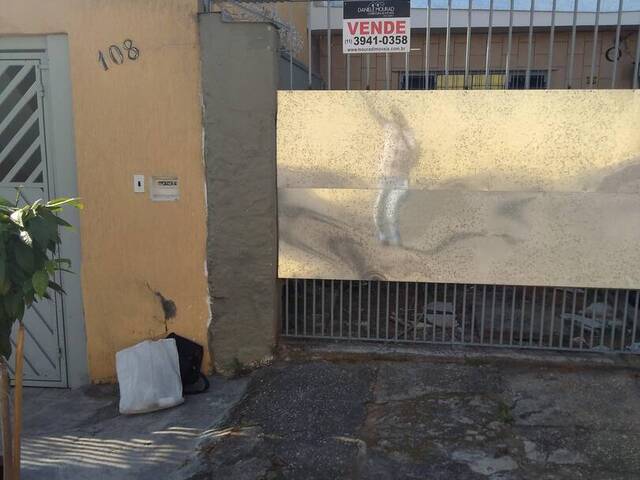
pixel 116 55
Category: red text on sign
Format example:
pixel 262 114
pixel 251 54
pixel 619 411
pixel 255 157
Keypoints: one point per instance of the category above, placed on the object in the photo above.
pixel 373 27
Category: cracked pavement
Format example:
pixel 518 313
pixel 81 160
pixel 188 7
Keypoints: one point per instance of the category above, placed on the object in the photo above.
pixel 421 420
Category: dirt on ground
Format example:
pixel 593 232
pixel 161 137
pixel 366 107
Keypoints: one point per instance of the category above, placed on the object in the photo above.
pixel 420 420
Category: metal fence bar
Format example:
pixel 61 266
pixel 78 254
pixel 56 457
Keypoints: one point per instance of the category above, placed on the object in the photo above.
pixel 387 73
pixel 594 50
pixel 406 308
pixel 493 312
pixel 527 79
pixel 322 306
pixel 464 311
pixel 467 51
pixel 295 315
pixel 435 313
pixel 636 69
pixel 573 317
pixel 453 321
pixel 635 318
pixel 341 304
pixel 286 305
pixel 533 316
pixel 369 309
pixel 603 330
pixel 553 316
pixel 447 46
pixel 415 312
pixel 328 44
pixel 304 307
pixel 309 46
pixel 406 71
pixel 378 311
pixel 572 49
pixel 509 45
pixel 397 314
pixel 552 39
pixel 616 47
pixel 332 306
pixel 562 312
pixel 542 312
pixel 350 304
pixel 482 315
pixel 624 319
pixel 487 61
pixel 443 325
pixel 387 314
pixel 593 318
pixel 290 46
pixel 424 312
pixel 513 314
pixel 524 297
pixel 613 320
pixel 504 292
pixel 348 77
pixel 313 307
pixel 469 344
pixel 368 72
pixel 427 41
pixel 473 312
pixel 359 309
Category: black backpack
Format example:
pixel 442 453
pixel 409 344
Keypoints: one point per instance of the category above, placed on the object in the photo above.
pixel 190 357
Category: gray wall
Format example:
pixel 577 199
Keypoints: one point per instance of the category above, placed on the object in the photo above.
pixel 239 81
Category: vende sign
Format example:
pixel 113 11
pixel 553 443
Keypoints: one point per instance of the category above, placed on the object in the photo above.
pixel 376 27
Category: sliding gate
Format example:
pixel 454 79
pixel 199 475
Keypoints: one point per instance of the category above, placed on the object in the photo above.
pixel 505 218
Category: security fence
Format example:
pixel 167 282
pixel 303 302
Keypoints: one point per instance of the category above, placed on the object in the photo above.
pixel 462 45
pixel 461 314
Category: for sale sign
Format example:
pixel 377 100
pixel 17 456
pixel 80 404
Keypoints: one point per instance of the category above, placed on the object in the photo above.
pixel 376 27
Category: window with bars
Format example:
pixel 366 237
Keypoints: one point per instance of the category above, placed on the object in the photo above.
pixel 455 80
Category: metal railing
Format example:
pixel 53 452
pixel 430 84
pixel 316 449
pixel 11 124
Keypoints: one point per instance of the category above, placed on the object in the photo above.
pixel 579 26
pixel 600 320
pixel 484 22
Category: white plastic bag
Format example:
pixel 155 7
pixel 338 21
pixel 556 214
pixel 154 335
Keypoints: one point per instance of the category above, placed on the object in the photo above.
pixel 149 376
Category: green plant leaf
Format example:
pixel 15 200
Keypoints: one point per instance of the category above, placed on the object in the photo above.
pixel 16 217
pixel 43 230
pixel 59 202
pixel 24 257
pixel 56 287
pixel 40 282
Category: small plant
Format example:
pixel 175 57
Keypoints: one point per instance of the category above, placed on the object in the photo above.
pixel 29 240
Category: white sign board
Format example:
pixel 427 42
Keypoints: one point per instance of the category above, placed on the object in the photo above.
pixel 376 27
pixel 164 189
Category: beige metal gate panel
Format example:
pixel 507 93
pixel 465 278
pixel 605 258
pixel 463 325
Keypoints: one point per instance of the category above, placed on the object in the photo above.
pixel 510 188
pixel 24 177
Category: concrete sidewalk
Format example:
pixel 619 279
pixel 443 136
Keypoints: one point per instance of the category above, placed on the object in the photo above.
pixel 421 420
pixel 79 434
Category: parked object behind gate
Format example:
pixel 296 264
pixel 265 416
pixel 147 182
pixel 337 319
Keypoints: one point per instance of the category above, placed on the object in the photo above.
pixel 149 376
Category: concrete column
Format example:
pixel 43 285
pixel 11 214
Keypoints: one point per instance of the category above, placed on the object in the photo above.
pixel 239 83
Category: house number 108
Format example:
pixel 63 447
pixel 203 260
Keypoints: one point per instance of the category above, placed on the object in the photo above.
pixel 116 55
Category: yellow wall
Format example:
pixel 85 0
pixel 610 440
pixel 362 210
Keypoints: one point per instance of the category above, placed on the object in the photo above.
pixel 140 117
